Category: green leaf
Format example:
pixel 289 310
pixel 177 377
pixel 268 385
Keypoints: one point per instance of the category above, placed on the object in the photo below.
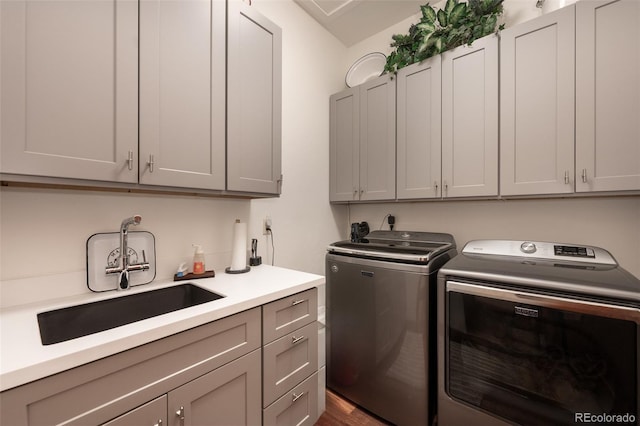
pixel 458 12
pixel 442 18
pixel 489 25
pixel 428 13
pixel 448 8
pixel 426 28
pixel 438 45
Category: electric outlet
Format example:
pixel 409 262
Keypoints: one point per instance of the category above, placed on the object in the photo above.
pixel 266 224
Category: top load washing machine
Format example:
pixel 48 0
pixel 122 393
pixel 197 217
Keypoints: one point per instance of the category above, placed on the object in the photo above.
pixel 381 322
pixel 537 333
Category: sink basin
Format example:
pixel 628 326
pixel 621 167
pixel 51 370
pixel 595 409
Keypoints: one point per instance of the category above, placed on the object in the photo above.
pixel 81 320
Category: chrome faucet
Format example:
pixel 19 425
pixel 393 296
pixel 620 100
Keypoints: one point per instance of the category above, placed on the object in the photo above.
pixel 124 267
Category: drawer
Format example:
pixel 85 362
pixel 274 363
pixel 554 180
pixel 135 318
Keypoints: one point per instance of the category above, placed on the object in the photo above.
pixel 151 413
pixel 288 361
pixel 283 316
pixel 297 407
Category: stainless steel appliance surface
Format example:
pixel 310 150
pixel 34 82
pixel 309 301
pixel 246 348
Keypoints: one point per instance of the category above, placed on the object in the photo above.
pixel 537 333
pixel 381 322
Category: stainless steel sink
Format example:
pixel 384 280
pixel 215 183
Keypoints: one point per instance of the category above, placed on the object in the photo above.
pixel 76 321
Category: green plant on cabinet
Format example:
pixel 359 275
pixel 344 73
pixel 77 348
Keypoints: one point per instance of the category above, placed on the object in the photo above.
pixel 457 24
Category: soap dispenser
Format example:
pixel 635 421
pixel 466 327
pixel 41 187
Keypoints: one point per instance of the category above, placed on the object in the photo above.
pixel 198 260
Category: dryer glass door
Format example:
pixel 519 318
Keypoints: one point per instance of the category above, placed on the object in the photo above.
pixel 541 359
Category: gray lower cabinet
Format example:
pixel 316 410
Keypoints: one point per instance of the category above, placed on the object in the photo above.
pixel 210 375
pixel 227 396
pixel 290 360
pixel 254 101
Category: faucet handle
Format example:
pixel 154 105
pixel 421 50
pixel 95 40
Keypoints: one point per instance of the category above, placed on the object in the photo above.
pixel 123 283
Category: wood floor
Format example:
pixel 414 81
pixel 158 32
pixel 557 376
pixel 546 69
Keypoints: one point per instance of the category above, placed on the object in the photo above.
pixel 342 412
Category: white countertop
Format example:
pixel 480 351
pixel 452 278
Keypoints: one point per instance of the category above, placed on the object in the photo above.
pixel 23 358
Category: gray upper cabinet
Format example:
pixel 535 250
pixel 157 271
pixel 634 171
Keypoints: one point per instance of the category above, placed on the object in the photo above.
pixel 470 119
pixel 537 66
pixel 69 98
pixel 344 145
pixel 378 139
pixel 254 104
pixel 155 93
pixel 363 143
pixel 607 95
pixel 182 93
pixel 419 129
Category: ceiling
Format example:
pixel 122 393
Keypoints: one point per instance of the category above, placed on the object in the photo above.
pixel 352 21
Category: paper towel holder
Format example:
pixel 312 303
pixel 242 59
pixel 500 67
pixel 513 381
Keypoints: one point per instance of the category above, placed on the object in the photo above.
pixel 239 256
pixel 228 270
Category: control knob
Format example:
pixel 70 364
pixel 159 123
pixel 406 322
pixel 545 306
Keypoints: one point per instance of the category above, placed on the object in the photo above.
pixel 528 247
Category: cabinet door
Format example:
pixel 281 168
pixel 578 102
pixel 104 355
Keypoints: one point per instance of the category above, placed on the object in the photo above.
pixel 153 413
pixel 537 65
pixel 182 93
pixel 344 145
pixel 69 80
pixel 378 139
pixel 254 106
pixel 470 119
pixel 419 130
pixel 607 95
pixel 227 396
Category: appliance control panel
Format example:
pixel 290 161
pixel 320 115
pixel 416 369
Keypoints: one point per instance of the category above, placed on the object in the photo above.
pixel 540 250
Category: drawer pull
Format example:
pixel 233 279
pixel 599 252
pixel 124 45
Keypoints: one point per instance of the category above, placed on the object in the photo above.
pixel 130 160
pixel 297 397
pixel 295 339
pixel 297 302
pixel 180 414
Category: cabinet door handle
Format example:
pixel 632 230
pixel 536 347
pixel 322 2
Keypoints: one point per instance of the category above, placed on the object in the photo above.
pixel 180 414
pixel 584 175
pixel 566 177
pixel 150 163
pixel 297 302
pixel 295 339
pixel 297 397
pixel 130 160
pixel 435 185
pixel 159 423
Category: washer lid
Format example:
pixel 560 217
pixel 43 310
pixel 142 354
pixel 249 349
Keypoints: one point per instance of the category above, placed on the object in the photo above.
pixel 399 246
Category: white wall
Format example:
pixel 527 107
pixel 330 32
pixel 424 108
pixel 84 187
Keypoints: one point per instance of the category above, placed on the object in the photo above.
pixel 610 223
pixel 44 231
pixel 304 222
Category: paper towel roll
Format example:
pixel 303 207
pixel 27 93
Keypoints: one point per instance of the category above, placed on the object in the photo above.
pixel 239 252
